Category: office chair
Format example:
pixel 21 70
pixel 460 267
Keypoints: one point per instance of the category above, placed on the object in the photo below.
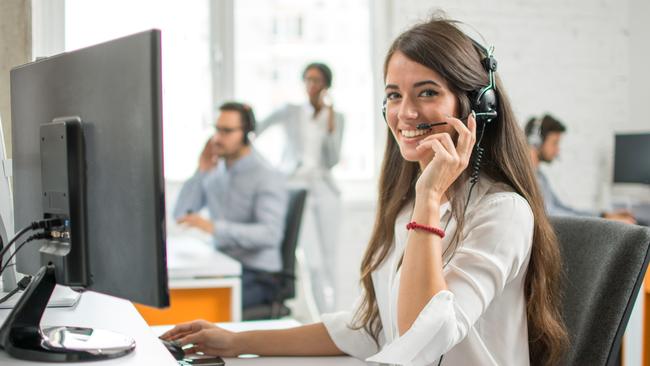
pixel 604 264
pixel 285 280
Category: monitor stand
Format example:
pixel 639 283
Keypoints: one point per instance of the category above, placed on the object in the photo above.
pixel 22 336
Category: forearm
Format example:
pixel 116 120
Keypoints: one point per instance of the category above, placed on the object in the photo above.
pixel 249 236
pixel 331 124
pixel 560 209
pixel 307 340
pixel 422 275
pixel 331 147
pixel 191 196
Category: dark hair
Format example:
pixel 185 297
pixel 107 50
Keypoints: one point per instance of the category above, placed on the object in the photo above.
pixel 440 45
pixel 324 70
pixel 548 124
pixel 246 114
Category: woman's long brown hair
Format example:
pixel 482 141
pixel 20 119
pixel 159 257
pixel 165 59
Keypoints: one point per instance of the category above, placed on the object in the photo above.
pixel 441 46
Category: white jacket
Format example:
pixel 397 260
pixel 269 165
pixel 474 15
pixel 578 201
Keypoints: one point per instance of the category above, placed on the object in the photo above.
pixel 294 118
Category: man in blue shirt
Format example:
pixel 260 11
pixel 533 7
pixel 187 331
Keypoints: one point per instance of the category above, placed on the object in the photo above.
pixel 247 201
pixel 544 136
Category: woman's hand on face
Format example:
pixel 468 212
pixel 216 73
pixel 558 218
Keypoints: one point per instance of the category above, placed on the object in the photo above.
pixel 205 337
pixel 448 161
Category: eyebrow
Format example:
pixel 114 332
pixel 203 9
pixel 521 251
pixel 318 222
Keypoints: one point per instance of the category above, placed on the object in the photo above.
pixel 425 82
pixel 416 85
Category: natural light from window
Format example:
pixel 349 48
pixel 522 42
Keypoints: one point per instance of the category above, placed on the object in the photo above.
pixel 275 39
pixel 187 106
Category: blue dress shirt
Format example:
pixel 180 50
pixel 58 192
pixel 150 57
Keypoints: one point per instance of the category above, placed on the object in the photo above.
pixel 247 203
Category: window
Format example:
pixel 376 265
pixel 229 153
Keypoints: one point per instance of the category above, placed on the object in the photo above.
pixel 274 40
pixel 251 50
pixel 186 71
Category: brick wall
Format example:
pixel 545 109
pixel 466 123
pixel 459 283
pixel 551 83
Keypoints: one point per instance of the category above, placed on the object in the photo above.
pixel 567 58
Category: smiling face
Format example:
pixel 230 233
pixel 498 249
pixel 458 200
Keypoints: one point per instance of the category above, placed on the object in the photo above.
pixel 416 94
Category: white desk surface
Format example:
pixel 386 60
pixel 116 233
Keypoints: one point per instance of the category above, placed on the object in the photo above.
pixel 193 263
pixel 101 311
pixel 274 361
pixel 107 312
pixel 190 256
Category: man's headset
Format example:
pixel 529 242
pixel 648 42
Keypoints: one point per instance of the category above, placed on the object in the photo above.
pixel 483 101
pixel 248 117
pixel 535 138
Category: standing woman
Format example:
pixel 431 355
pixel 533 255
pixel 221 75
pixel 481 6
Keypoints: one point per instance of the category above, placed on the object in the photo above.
pixel 463 267
pixel 314 132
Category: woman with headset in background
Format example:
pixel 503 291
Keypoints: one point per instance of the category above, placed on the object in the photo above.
pixel 463 267
pixel 314 132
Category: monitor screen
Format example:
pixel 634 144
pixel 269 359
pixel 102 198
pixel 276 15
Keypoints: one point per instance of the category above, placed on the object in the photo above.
pixel 114 88
pixel 632 158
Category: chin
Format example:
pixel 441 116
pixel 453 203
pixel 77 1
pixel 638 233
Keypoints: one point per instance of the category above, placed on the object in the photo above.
pixel 413 155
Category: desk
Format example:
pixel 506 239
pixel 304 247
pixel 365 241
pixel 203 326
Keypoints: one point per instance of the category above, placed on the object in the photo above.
pixel 203 282
pixel 110 313
pixel 274 361
pixel 107 312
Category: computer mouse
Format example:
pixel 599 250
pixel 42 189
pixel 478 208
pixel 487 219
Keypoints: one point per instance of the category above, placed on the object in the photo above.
pixel 174 348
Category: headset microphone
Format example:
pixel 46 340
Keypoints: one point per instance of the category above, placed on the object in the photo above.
pixel 426 126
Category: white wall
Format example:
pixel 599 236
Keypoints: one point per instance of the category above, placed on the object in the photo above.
pixel 566 58
pixel 639 48
pixel 15 49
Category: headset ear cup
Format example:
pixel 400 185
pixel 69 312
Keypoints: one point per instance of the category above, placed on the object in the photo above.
pixel 250 126
pixel 535 141
pixel 535 136
pixel 485 104
pixel 383 110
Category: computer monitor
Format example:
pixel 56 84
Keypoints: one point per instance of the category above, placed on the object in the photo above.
pixel 87 150
pixel 632 158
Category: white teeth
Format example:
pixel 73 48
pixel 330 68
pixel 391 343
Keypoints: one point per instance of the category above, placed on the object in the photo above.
pixel 414 133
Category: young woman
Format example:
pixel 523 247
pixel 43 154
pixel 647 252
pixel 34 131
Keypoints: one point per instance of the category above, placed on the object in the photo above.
pixel 471 281
pixel 314 132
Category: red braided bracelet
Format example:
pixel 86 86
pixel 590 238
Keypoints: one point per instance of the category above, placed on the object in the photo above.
pixel 433 230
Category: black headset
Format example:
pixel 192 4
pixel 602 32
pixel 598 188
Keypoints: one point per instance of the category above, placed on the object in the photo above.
pixel 246 115
pixel 484 100
pixel 248 119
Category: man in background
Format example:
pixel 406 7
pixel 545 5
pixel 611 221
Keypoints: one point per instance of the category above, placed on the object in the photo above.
pixel 246 199
pixel 544 135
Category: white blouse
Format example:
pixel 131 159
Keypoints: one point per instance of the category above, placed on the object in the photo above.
pixel 481 318
pixel 313 132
